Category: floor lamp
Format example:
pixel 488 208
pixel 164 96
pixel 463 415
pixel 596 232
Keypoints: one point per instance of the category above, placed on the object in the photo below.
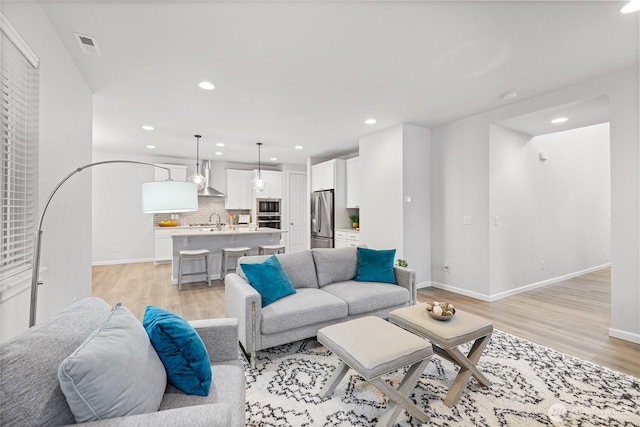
pixel 157 197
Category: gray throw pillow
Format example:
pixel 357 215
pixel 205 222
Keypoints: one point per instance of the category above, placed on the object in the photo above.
pixel 115 372
pixel 335 265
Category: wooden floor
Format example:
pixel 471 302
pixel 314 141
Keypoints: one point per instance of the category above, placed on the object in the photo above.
pixel 572 316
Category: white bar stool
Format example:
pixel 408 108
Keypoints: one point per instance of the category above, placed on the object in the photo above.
pixel 193 254
pixel 236 252
pixel 270 249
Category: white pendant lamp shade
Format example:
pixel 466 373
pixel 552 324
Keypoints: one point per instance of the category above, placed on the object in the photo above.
pixel 632 6
pixel 197 178
pixel 258 183
pixel 169 197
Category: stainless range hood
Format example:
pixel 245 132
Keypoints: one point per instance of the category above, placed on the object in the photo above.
pixel 208 190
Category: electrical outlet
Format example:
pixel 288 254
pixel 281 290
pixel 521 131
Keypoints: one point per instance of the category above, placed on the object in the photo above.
pixel 117 249
pixel 446 265
pixel 466 220
pixel 542 265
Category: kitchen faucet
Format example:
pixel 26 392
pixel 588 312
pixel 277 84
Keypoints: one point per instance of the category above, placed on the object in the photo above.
pixel 219 225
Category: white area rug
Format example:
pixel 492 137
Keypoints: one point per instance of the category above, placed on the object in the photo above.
pixel 532 386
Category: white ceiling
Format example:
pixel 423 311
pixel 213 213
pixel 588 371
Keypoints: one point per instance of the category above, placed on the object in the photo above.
pixel 309 73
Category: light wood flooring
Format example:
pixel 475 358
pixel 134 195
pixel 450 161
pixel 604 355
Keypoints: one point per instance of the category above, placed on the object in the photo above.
pixel 572 316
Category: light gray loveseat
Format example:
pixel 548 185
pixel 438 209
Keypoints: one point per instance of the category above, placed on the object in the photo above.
pixel 30 393
pixel 325 294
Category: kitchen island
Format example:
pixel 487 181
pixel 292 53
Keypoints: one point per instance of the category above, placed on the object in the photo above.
pixel 214 240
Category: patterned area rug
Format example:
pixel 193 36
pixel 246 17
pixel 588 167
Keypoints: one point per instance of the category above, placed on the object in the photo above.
pixel 532 386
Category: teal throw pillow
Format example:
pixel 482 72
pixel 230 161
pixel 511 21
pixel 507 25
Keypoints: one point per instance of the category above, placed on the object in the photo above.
pixel 180 349
pixel 376 266
pixel 269 279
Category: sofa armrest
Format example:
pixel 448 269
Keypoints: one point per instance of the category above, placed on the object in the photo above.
pixel 406 278
pixel 220 337
pixel 244 303
pixel 212 415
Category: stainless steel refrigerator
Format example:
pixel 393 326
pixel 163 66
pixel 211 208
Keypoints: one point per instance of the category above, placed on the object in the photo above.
pixel 322 219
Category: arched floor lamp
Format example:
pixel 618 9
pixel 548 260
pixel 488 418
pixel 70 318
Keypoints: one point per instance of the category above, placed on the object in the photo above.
pixel 157 197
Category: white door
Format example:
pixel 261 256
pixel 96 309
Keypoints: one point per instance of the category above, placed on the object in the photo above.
pixel 298 200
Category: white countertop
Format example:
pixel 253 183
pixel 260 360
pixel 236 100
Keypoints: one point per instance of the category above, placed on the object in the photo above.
pixel 213 232
pixel 348 230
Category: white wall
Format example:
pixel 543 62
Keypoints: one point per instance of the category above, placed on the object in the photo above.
pixel 552 216
pixel 394 164
pixel 453 177
pixel 64 127
pixel 460 187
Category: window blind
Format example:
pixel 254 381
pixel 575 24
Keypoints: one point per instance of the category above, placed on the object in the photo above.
pixel 19 81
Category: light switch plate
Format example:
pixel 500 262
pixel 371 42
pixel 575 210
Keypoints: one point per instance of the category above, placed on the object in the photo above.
pixel 466 220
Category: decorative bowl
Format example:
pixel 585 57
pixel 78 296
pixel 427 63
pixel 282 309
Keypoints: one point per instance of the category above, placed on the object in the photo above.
pixel 440 310
pixel 168 223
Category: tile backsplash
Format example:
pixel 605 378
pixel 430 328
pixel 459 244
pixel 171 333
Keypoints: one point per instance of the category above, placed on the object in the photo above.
pixel 206 206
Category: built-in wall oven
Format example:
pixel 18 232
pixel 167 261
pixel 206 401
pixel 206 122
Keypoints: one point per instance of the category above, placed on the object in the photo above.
pixel 268 213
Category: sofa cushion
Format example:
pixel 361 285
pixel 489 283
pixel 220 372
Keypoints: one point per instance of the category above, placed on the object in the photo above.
pixel 335 264
pixel 376 265
pixel 269 279
pixel 299 267
pixel 30 393
pixel 115 372
pixel 306 307
pixel 181 350
pixel 364 297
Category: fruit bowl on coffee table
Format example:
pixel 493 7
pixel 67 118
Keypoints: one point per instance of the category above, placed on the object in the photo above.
pixel 440 310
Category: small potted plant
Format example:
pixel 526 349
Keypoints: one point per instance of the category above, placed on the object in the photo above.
pixel 355 220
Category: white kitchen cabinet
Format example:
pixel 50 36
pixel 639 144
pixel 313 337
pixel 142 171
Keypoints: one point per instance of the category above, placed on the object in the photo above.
pixel 178 172
pixel 340 239
pixel 274 182
pixel 353 182
pixel 239 189
pixel 323 176
pixel 353 238
pixel 163 247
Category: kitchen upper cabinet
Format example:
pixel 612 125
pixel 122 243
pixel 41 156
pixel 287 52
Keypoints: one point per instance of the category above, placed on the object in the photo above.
pixel 274 182
pixel 178 172
pixel 353 182
pixel 239 189
pixel 323 176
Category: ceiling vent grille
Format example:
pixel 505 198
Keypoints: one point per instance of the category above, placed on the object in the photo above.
pixel 88 44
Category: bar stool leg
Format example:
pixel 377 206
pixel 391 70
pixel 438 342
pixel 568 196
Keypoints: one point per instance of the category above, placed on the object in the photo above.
pixel 223 261
pixel 206 262
pixel 180 274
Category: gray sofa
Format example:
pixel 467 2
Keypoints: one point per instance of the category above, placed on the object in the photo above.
pixel 325 294
pixel 30 393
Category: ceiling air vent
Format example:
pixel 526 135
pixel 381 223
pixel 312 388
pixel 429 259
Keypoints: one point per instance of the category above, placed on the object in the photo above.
pixel 88 44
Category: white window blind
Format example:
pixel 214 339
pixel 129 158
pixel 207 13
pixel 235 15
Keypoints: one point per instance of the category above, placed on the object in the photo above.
pixel 19 154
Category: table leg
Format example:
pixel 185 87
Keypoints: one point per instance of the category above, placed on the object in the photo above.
pixel 467 368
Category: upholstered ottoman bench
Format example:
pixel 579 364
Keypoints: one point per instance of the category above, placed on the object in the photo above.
pixel 446 336
pixel 374 347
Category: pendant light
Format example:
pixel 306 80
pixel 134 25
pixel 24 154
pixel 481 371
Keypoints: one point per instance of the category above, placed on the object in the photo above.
pixel 197 178
pixel 258 182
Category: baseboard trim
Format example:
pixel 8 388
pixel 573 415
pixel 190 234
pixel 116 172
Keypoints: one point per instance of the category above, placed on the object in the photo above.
pixel 461 291
pixel 122 261
pixel 624 335
pixel 544 283
pixel 422 285
pixel 525 288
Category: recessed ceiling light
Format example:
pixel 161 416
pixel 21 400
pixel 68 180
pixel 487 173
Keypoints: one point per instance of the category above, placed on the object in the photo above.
pixel 370 121
pixel 508 96
pixel 559 120
pixel 298 147
pixel 274 159
pixel 219 144
pixel 206 85
pixel 632 6
pixel 151 146
pixel 218 153
pixel 147 127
